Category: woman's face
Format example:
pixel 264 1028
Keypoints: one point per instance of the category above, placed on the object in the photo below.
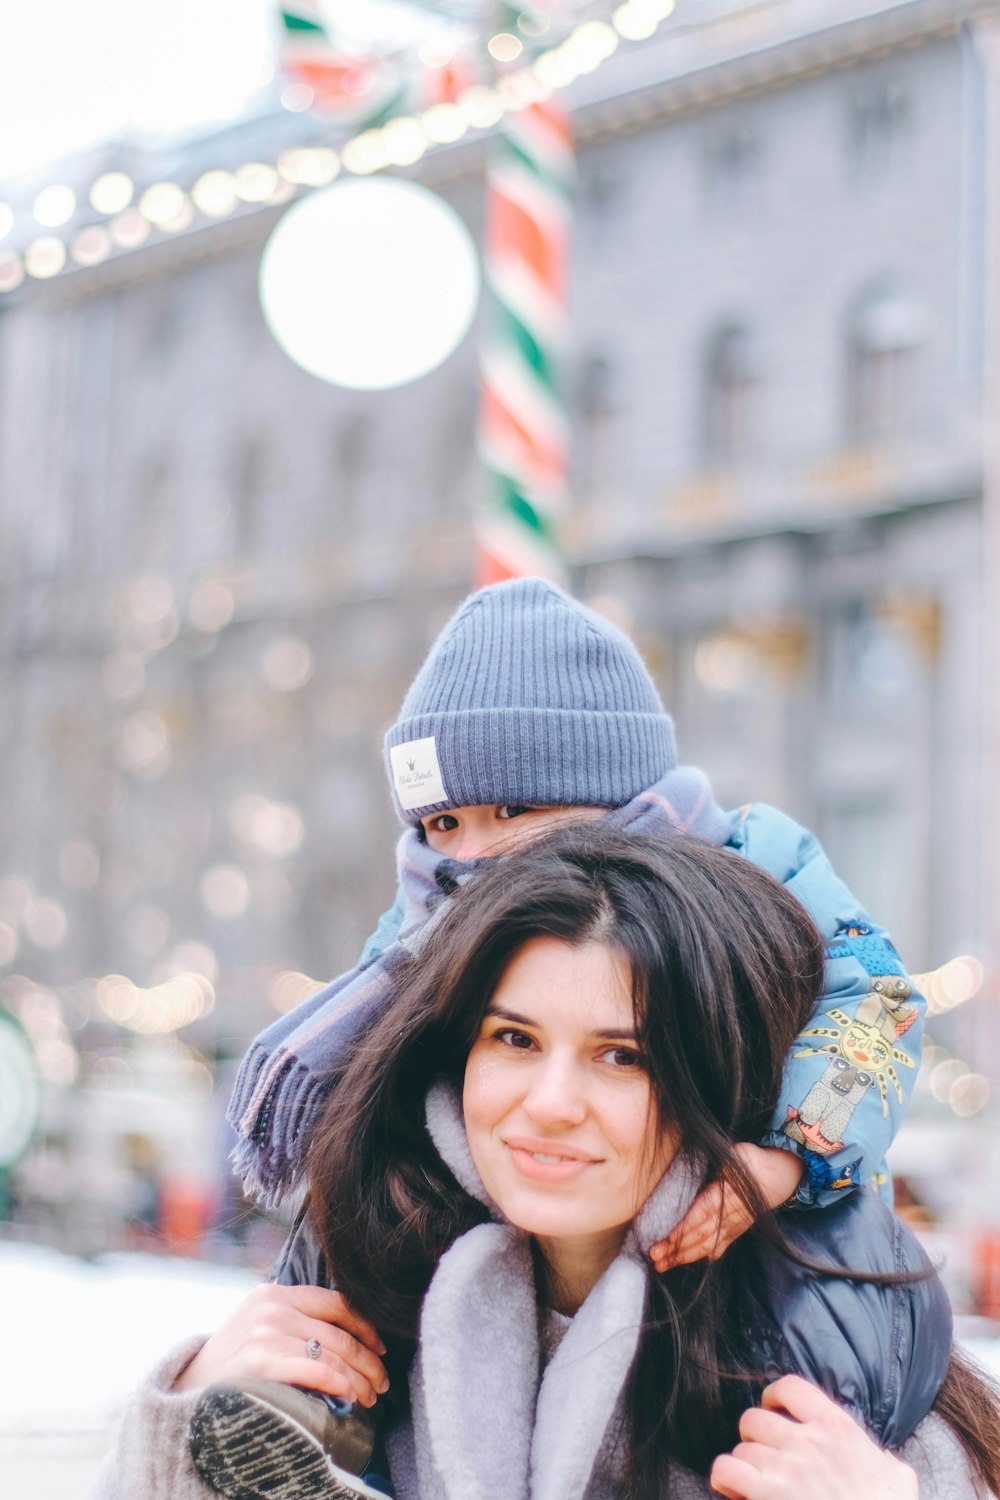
pixel 558 1106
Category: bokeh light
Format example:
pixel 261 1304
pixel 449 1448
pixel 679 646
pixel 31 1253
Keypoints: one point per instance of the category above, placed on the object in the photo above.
pixel 91 246
pixel 11 273
pixel 55 205
pixel 309 166
pixel 287 664
pixel 370 284
pixel 130 229
pixel 162 202
pixel 634 22
pixel 79 865
pixel 444 123
pixel 225 892
pixel 111 193
pixel 142 746
pixel 297 98
pixel 952 984
pixel 215 194
pixel 45 923
pixel 969 1094
pixel 505 46
pixel 162 1008
pixel 289 988
pixel 9 942
pixel 480 107
pixel 211 606
pixel 45 257
pixel 405 141
pixel 274 827
pixel 255 182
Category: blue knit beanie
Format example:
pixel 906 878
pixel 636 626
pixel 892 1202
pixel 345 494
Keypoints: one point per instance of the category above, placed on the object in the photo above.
pixel 527 697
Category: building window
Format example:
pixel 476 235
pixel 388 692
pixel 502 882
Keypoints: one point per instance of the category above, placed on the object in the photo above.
pixel 597 409
pixel 878 127
pixel 254 484
pixel 733 172
pixel 885 334
pixel 599 198
pixel 353 462
pixel 732 396
pixel 154 512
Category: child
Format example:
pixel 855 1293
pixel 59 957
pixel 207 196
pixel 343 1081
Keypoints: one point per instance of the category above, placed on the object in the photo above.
pixel 531 709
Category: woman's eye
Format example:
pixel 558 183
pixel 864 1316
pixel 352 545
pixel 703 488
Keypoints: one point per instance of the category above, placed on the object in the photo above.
pixel 622 1057
pixel 508 810
pixel 519 1040
pixel 443 823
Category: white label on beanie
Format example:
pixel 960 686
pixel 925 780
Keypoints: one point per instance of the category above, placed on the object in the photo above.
pixel 417 774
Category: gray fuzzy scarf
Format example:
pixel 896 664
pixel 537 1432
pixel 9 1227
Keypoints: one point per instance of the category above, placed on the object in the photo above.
pixel 487 1423
pixel 284 1079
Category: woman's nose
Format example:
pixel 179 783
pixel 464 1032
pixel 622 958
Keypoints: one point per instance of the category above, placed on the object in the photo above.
pixel 555 1095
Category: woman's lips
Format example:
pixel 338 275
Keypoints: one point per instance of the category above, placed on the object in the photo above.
pixel 547 1161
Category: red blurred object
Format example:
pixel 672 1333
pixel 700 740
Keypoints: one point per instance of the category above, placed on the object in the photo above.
pixel 184 1215
pixel 986 1273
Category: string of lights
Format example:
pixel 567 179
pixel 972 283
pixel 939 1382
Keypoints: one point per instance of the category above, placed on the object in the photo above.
pixel 126 215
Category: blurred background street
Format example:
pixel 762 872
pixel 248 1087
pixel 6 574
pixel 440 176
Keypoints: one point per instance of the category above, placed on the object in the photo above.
pixel 748 409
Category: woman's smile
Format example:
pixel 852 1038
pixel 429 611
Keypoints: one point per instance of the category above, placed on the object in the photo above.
pixel 548 1161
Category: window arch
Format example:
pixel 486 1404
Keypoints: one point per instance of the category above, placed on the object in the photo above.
pixel 886 329
pixel 731 409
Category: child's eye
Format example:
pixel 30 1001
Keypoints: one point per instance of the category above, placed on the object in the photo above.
pixel 508 810
pixel 442 823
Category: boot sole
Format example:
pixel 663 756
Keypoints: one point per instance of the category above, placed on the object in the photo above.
pixel 247 1449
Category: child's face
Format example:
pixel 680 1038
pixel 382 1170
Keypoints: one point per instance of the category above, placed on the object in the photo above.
pixel 472 832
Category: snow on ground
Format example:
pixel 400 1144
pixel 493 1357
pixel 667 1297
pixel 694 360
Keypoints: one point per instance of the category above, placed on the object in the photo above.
pixel 79 1335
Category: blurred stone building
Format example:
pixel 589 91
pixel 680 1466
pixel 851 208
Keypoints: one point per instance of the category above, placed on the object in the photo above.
pixel 218 575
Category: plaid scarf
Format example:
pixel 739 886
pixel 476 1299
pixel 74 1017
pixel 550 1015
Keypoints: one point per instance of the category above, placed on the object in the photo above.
pixel 284 1079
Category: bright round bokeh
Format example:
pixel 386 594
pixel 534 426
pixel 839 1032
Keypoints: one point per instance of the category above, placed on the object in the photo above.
pixel 369 284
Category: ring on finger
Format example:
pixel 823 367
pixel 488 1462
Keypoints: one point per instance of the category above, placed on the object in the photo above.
pixel 314 1348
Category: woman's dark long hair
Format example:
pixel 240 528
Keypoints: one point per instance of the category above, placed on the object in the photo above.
pixel 726 969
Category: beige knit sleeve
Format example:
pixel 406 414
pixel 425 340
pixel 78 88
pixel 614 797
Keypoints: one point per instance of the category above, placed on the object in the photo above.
pixel 151 1460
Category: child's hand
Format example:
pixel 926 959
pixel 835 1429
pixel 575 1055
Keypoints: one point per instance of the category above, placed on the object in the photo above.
pixel 800 1445
pixel 268 1338
pixel 718 1215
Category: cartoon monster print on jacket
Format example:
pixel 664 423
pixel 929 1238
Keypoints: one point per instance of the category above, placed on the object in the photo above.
pixel 885 1006
pixel 889 988
pixel 824 1114
pixel 863 1057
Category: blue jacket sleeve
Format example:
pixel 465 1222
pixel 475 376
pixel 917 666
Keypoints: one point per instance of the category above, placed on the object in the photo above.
pixel 850 1074
pixel 881 1350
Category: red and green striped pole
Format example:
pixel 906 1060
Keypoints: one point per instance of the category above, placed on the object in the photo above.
pixel 523 426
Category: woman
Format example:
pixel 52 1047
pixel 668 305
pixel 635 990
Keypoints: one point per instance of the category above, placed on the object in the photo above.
pixel 587 1037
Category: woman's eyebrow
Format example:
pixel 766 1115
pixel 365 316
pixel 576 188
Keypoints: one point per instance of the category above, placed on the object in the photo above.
pixel 605 1033
pixel 509 1015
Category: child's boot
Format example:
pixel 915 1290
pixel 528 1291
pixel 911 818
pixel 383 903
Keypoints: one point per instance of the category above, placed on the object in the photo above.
pixel 268 1441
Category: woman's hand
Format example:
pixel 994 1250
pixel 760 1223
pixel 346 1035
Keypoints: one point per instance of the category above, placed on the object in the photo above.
pixel 800 1445
pixel 718 1215
pixel 267 1336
